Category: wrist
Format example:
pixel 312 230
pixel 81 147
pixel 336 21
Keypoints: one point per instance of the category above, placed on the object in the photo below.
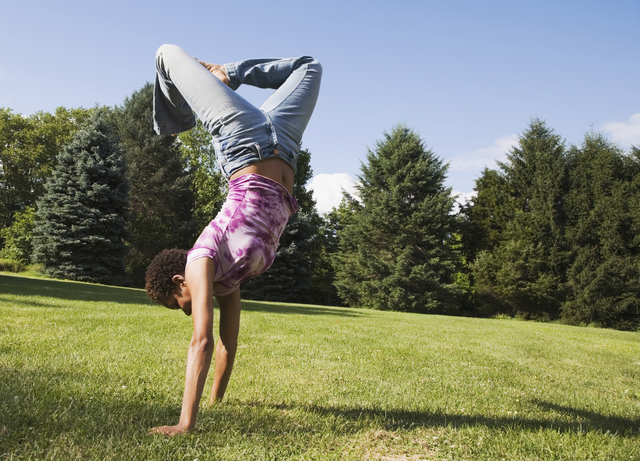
pixel 186 426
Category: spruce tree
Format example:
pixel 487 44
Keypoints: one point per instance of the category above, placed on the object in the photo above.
pixel 80 227
pixel 323 290
pixel 603 207
pixel 487 214
pixel 161 196
pixel 396 249
pixel 525 272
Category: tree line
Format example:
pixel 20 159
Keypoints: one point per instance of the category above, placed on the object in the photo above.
pixel 551 233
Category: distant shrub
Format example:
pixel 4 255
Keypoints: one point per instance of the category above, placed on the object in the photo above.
pixel 17 237
pixel 9 265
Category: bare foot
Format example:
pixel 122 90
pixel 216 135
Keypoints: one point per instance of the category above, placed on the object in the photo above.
pixel 217 70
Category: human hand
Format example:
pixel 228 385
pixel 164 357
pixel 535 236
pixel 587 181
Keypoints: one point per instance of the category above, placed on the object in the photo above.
pixel 169 431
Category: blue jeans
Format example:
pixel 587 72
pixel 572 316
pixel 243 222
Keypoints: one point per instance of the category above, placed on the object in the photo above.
pixel 242 134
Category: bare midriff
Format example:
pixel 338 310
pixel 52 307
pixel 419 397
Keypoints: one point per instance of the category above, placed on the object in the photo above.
pixel 273 168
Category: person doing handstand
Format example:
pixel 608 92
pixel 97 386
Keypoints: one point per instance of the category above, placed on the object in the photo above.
pixel 257 151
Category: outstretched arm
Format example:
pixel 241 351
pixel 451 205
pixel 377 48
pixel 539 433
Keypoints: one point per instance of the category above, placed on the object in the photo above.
pixel 199 277
pixel 227 344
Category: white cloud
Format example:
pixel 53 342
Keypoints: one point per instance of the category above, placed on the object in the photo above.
pixel 624 133
pixel 476 160
pixel 327 189
pixel 462 197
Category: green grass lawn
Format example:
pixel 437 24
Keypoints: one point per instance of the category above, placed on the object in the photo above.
pixel 86 371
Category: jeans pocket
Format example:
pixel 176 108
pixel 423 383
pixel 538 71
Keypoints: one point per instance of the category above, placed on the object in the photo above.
pixel 239 156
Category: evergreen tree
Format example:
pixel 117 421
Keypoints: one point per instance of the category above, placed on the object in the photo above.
pixel 604 223
pixel 488 213
pixel 342 252
pixel 290 278
pixel 161 197
pixel 396 249
pixel 324 290
pixel 80 223
pixel 524 272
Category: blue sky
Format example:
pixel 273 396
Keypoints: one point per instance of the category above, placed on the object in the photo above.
pixel 468 76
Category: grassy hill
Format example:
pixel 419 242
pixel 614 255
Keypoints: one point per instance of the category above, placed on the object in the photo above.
pixel 86 370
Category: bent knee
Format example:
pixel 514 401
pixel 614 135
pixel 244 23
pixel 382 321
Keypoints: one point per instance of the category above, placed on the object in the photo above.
pixel 313 63
pixel 166 50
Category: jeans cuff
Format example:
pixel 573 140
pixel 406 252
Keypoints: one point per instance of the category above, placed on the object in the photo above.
pixel 232 73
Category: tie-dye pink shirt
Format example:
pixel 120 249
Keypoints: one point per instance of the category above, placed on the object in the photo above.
pixel 243 238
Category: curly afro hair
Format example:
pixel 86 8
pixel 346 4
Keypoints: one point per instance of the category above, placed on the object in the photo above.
pixel 164 266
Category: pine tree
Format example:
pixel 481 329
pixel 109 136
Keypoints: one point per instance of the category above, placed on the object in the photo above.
pixel 487 214
pixel 525 271
pixel 290 278
pixel 323 290
pixel 80 227
pixel 161 196
pixel 397 245
pixel 604 223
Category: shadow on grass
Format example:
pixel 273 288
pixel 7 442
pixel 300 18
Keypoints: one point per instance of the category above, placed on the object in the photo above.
pixel 283 308
pixel 26 302
pixel 78 291
pixel 72 291
pixel 44 412
pixel 393 420
pixel 590 419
